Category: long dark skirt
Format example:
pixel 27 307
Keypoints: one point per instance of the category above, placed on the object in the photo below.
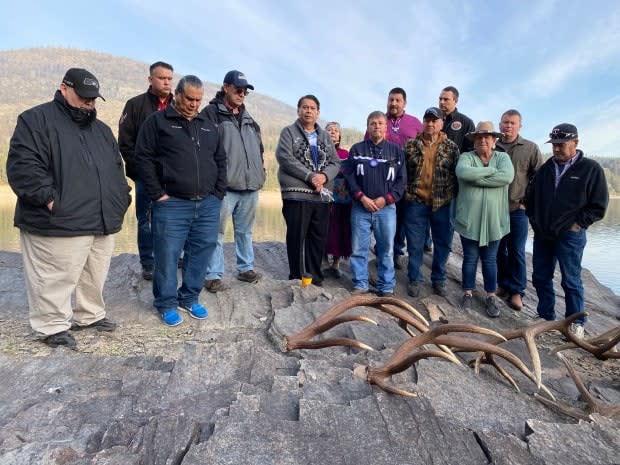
pixel 339 234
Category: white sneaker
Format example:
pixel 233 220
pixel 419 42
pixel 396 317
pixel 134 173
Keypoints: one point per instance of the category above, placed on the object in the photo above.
pixel 576 329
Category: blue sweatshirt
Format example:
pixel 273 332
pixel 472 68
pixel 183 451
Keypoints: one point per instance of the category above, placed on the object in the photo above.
pixel 376 170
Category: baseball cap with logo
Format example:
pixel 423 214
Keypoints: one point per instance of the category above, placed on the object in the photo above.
pixel 562 133
pixel 237 79
pixel 433 112
pixel 83 82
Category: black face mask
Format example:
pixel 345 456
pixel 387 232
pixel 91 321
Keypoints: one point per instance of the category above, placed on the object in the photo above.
pixel 80 116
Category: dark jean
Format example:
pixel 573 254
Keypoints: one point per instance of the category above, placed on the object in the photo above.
pixel 182 225
pixel 567 250
pixel 488 259
pixel 511 269
pixel 143 215
pixel 418 218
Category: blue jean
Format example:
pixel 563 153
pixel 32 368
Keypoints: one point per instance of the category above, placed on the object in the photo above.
pixel 242 207
pixel 383 225
pixel 568 251
pixel 182 225
pixel 488 259
pixel 418 218
pixel 511 268
pixel 143 215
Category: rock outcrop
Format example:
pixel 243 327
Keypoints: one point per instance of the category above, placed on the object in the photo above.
pixel 221 391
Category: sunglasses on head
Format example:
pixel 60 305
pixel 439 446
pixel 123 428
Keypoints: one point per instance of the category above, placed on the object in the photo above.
pixel 557 133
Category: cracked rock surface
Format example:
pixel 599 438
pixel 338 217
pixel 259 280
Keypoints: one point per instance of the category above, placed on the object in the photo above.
pixel 221 391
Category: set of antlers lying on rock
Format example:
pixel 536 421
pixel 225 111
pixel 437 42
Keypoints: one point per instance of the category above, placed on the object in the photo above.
pixel 448 338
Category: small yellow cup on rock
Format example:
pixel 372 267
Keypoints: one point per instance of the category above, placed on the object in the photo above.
pixel 306 280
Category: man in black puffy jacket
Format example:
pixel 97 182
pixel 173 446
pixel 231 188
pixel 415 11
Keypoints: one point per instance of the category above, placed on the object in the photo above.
pixel 66 170
pixel 183 166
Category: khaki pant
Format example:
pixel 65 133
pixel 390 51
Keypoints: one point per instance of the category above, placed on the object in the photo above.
pixel 56 266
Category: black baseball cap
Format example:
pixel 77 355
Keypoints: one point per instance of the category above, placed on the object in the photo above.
pixel 83 82
pixel 562 133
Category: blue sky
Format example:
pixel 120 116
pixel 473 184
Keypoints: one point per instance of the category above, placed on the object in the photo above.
pixel 553 60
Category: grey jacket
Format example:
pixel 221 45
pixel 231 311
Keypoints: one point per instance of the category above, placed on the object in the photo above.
pixel 296 166
pixel 242 143
pixel 526 159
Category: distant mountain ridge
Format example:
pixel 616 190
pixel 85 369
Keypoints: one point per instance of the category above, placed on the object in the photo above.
pixel 31 76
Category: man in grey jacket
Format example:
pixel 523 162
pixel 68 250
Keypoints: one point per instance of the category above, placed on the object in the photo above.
pixel 307 165
pixel 240 136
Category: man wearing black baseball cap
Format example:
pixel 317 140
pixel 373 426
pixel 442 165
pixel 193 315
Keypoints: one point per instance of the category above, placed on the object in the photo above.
pixel 83 82
pixel 568 194
pixel 66 170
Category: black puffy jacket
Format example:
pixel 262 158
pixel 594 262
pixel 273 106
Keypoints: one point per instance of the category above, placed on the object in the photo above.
pixel 79 168
pixel 179 157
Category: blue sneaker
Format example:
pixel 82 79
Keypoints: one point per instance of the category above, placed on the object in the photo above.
pixel 197 311
pixel 171 317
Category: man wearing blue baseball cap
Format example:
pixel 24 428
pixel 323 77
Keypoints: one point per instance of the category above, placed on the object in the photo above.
pixel 568 194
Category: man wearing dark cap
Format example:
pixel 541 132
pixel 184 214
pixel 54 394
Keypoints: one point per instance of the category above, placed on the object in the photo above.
pixel 431 187
pixel 241 139
pixel 66 170
pixel 568 194
pixel 157 97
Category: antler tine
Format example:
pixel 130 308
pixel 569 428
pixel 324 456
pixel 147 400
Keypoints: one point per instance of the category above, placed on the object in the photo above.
pixel 564 410
pixel 488 359
pixel 384 380
pixel 403 316
pixel 324 322
pixel 334 341
pixel 604 343
pixel 404 305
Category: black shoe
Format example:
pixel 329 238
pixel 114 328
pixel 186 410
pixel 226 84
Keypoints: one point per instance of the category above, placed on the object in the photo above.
pixel 413 289
pixel 100 325
pixel 397 264
pixel 250 276
pixel 147 273
pixel 428 248
pixel 491 307
pixel 385 293
pixel 440 289
pixel 214 285
pixel 64 338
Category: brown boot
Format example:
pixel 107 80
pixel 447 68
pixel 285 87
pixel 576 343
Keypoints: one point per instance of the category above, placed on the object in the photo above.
pixel 516 303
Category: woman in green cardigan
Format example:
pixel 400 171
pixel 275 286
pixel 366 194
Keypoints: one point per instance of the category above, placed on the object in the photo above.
pixel 482 216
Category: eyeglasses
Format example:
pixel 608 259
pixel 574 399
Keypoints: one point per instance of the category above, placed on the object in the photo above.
pixel 240 90
pixel 557 133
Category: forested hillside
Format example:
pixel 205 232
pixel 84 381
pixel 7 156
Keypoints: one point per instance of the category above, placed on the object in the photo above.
pixel 30 76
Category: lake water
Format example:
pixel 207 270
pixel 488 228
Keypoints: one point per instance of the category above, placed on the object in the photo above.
pixel 601 255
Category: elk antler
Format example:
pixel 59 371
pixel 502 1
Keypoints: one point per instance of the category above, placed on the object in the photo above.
pixel 594 406
pixel 529 334
pixel 604 345
pixel 331 318
pixel 407 354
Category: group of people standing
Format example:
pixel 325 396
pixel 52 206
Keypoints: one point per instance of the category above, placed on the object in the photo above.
pixel 406 182
pixel 410 182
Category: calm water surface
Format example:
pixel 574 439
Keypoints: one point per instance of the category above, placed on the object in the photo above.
pixel 601 255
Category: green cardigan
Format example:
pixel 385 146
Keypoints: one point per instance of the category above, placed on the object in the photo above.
pixel 482 202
